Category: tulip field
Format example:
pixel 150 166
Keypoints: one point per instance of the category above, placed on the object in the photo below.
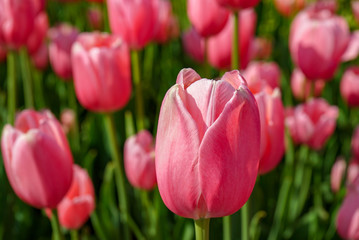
pixel 179 119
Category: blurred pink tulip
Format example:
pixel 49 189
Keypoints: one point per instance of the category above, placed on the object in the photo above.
pixel 318 39
pixel 95 18
pixel 133 21
pixel 37 159
pixel 39 6
pixel 258 72
pixel 302 87
pixel 355 9
pixel 207 145
pixel 139 160
pixel 102 71
pixel 238 4
pixel 352 172
pixel 352 50
pixel 288 7
pixel 329 5
pixel 349 86
pixel 40 58
pixel 61 39
pixel 312 123
pixel 355 142
pixel 261 48
pixel 220 46
pixel 68 119
pixel 79 202
pixel 37 37
pixel 167 24
pixel 193 44
pixel 209 22
pixel 337 174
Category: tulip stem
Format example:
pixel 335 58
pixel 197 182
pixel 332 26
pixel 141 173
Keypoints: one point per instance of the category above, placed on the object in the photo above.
pixel 227 228
pixel 244 222
pixel 120 180
pixel 138 90
pixel 202 228
pixel 11 86
pixel 235 48
pixel 38 88
pixel 26 77
pixel 56 230
pixel 74 235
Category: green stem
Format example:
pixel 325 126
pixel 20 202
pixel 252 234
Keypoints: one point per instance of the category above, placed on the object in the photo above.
pixel 120 180
pixel 130 128
pixel 56 230
pixel 202 228
pixel 38 88
pixel 11 86
pixel 26 77
pixel 73 105
pixel 74 235
pixel 235 48
pixel 98 226
pixel 227 228
pixel 135 229
pixel 245 226
pixel 138 90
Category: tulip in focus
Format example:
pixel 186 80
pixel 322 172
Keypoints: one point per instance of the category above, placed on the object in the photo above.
pixel 133 21
pixel 337 174
pixel 238 4
pixel 355 143
pixel 193 44
pixel 302 88
pixel 207 145
pixel 102 71
pixel 288 7
pixel 167 24
pixel 79 202
pixel 312 123
pixel 61 39
pixel 349 86
pixel 268 72
pixel 318 39
pixel 139 160
pixel 37 159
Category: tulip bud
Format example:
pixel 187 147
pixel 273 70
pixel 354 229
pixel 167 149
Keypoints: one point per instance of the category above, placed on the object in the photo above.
pixel 352 50
pixel 349 86
pixel 193 44
pixel 37 159
pixel 207 145
pixel 267 72
pixel 337 174
pixel 102 72
pixel 139 160
pixel 302 88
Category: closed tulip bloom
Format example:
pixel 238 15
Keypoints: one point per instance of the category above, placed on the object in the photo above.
pixel 167 24
pixel 37 37
pixel 208 22
pixel 268 72
pixel 302 88
pixel 238 4
pixel 94 17
pixel 68 119
pixel 352 50
pixel 288 7
pixel 40 58
pixel 102 72
pixel 355 142
pixel 139 160
pixel 79 202
pixel 220 46
pixel 312 123
pixel 355 9
pixel 349 86
pixel 37 159
pixel 61 39
pixel 193 44
pixel 337 174
pixel 133 21
pixel 207 145
pixel 318 39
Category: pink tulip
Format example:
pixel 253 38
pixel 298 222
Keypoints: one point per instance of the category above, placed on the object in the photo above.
pixel 271 112
pixel 302 87
pixel 102 71
pixel 61 39
pixel 261 48
pixel 267 72
pixel 355 142
pixel 39 6
pixel 139 160
pixel 37 37
pixel 220 46
pixel 352 172
pixel 337 174
pixel 37 158
pixel 94 17
pixel 207 145
pixel 133 21
pixel 312 123
pixel 40 57
pixel 355 9
pixel 318 39
pixel 352 50
pixel 349 86
pixel 167 24
pixel 329 5
pixel 68 120
pixel 17 18
pixel 288 7
pixel 238 4
pixel 79 202
pixel 193 44
pixel 209 22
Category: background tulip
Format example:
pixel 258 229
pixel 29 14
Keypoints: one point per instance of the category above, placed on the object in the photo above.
pixel 352 50
pixel 193 44
pixel 288 7
pixel 207 145
pixel 40 58
pixel 349 86
pixel 167 25
pixel 95 18
pixel 352 171
pixel 37 159
pixel 79 202
pixel 268 72
pixel 302 88
pixel 37 37
pixel 355 9
pixel 102 72
pixel 238 4
pixel 337 174
pixel 261 48
pixel 139 160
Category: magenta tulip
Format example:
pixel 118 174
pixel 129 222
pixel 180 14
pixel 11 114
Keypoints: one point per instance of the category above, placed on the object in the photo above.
pixel 40 58
pixel 288 7
pixel 209 22
pixel 349 86
pixel 337 174
pixel 318 39
pixel 37 159
pixel 102 71
pixel 312 123
pixel 37 37
pixel 268 72
pixel 61 39
pixel 302 88
pixel 133 21
pixel 220 46
pixel 238 4
pixel 207 145
pixel 139 160
pixel 193 44
pixel 355 143
pixel 167 24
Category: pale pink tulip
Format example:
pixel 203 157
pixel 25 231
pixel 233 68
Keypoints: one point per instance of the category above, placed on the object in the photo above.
pixel 267 72
pixel 193 44
pixel 167 24
pixel 302 88
pixel 337 174
pixel 352 50
pixel 349 86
